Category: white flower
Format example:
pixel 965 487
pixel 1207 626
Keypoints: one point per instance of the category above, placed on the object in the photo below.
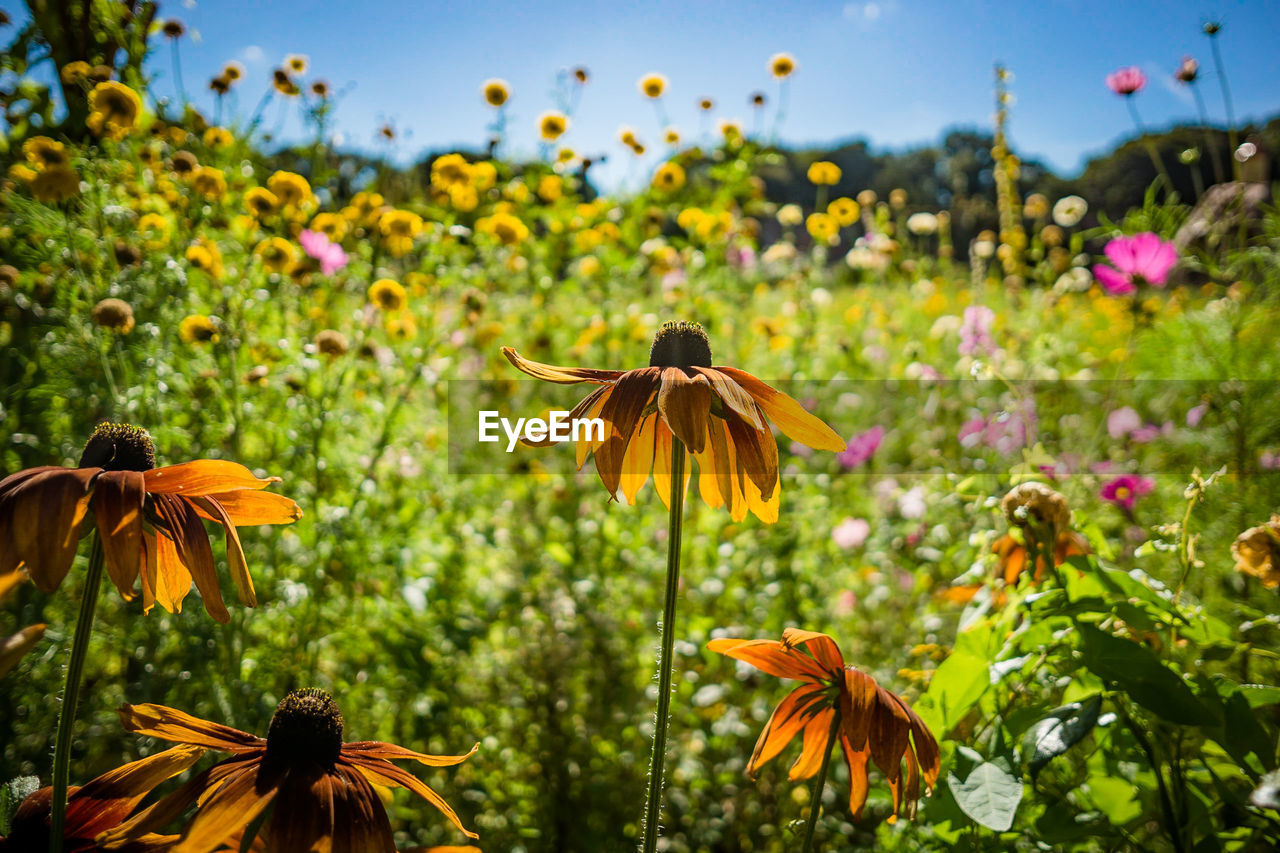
pixel 790 214
pixel 1069 210
pixel 922 223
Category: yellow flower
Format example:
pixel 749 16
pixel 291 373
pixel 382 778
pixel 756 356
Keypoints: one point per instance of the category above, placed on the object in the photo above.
pixel 508 229
pixel 21 172
pixel 197 328
pixel 55 185
pixel 706 104
pixel 782 65
pixel 550 188
pixel 652 85
pixel 1257 552
pixel 43 153
pixel 398 228
pixel 233 71
pixel 483 175
pixel 552 125
pixel 627 136
pixel 388 295
pixel 290 188
pixel 75 72
pixel 218 137
pixel 113 110
pixel 823 172
pixel 669 176
pixel 565 155
pixel 496 92
pixel 154 229
pixel 276 253
pixel 283 83
pixel 204 255
pixel 464 198
pixel 209 182
pixel 845 210
pixel 671 136
pixel 296 63
pixel 401 326
pixel 822 227
pixel 331 225
pixel 261 202
pixel 450 170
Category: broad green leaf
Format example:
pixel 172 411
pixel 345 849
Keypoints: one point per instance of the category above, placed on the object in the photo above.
pixel 1062 729
pixel 1134 669
pixel 955 688
pixel 1115 797
pixel 989 794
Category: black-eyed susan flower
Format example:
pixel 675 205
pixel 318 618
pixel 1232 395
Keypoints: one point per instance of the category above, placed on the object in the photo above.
pixel 44 153
pixel 388 294
pixel 652 85
pixel 331 225
pixel 320 789
pixel 218 137
pixel 449 171
pixel 823 173
pixel 113 110
pixel 1257 552
pixel 183 163
pixel 496 92
pixel 782 65
pixel 720 414
pixel 1043 520
pixel 507 228
pixel 283 83
pixel 552 124
pixel 100 805
pixel 114 314
pixel 838 702
pixel 148 519
pixel 276 254
pixel 398 229
pixel 260 202
pixel 204 254
pixel 209 182
pixel 233 71
pixel 290 188
pixel 197 329
pixel 219 85
pixel 296 63
pixel 669 176
pixel 331 342
pixel 173 28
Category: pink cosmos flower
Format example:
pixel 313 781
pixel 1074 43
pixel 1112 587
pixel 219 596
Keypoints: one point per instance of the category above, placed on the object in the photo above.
pixel 1142 258
pixel 851 533
pixel 862 447
pixel 1123 421
pixel 975 331
pixel 318 245
pixel 1196 414
pixel 1124 491
pixel 1126 81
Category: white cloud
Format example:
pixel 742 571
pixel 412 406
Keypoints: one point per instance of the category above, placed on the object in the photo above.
pixel 252 55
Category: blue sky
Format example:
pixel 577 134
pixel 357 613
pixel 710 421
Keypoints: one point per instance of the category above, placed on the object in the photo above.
pixel 896 72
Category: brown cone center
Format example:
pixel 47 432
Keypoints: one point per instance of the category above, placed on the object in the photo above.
pixel 307 726
pixel 681 345
pixel 119 447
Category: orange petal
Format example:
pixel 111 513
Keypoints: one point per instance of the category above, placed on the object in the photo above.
pixel 685 405
pixel 136 829
pixel 722 468
pixel 621 414
pixel 359 821
pixel 638 462
pixel 733 395
pixel 856 759
pixel 662 459
pixel 378 749
pixel 708 487
pixel 235 552
pixel 117 504
pixel 42 510
pixel 589 444
pixel 860 693
pixel 786 721
pixel 790 416
pixel 562 375
pixel 821 646
pixel 765 510
pixel 233 806
pixel 757 454
pixel 180 727
pixel 246 508
pixel 13 648
pixel 383 772
pixel 817 741
pixel 203 477
pixel 108 800
pixel 890 734
pixel 771 657
pixel 192 543
pixel 303 815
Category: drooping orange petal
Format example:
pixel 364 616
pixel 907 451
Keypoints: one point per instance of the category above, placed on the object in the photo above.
pixel 203 477
pixel 662 459
pixel 890 734
pixel 173 581
pixel 786 721
pixel 180 727
pixel 765 510
pixel 790 416
pixel 383 772
pixel 378 749
pixel 638 462
pixel 771 657
pixel 235 552
pixel 817 741
pixel 234 805
pixel 561 375
pixel 248 508
pixel 860 694
pixel 42 510
pixel 621 415
pixel 926 747
pixel 108 799
pixel 821 646
pixel 708 486
pixel 13 648
pixel 856 759
pixel 589 441
pixel 360 822
pixel 757 454
pixel 685 404
pixel 118 499
pixel 192 543
pixel 733 395
pixel 723 470
pixel 303 812
pixel 167 810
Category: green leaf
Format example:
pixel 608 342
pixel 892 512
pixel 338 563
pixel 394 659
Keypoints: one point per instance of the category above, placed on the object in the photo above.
pixel 1062 729
pixel 1134 669
pixel 955 688
pixel 989 795
pixel 1115 797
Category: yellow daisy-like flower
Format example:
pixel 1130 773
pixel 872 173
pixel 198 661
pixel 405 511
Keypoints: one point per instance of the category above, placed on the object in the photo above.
pixel 450 170
pixel 54 185
pixel 205 255
pixel 290 188
pixel 276 253
pixel 671 136
pixel 209 182
pixel 508 229
pixel 706 104
pixel 331 225
pixel 387 294
pixel 464 198
pixel 197 328
pixel 154 229
pixel 552 125
pixel 398 229
pixel 845 210
pixel 113 110
pixel 565 155
pixel 550 188
pixel 218 137
pixel 483 175
pixel 283 83
pixel 669 176
pixel 824 173
pixel 822 227
pixel 43 152
pixel 496 92
pixel 296 63
pixel 233 71
pixel 74 73
pixel 782 65
pixel 261 202
pixel 652 85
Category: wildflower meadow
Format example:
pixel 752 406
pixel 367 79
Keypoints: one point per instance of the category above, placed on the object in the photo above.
pixel 765 498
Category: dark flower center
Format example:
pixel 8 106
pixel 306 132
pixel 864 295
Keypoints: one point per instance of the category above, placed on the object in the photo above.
pixel 307 726
pixel 119 447
pixel 681 345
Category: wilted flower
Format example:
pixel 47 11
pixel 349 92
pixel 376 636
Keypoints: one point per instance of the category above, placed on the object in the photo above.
pixel 1257 552
pixel 331 342
pixel 114 314
pixel 1187 70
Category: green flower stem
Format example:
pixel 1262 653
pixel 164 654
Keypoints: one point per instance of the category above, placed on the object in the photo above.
pixel 815 803
pixel 71 695
pixel 675 523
